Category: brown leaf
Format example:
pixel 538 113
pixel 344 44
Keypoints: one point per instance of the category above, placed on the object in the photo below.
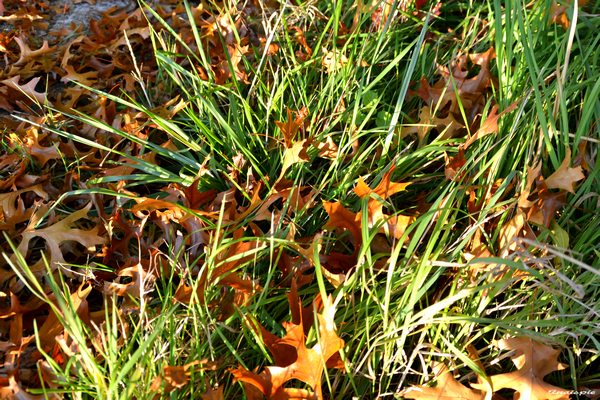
pixel 512 230
pixel 60 232
pixel 52 327
pixel 328 149
pixel 15 391
pixel 545 207
pixel 558 14
pixel 176 377
pixel 565 177
pixel 534 360
pixel 447 388
pixel 12 206
pixel 27 54
pixel 27 89
pixel 213 394
pixel 136 288
pixel 454 165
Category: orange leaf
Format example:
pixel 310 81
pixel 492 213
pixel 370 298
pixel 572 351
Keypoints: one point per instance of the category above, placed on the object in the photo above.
pixel 490 125
pixel 290 129
pixel 558 14
pixel 52 327
pixel 565 177
pixel 384 189
pixel 308 366
pixel 341 217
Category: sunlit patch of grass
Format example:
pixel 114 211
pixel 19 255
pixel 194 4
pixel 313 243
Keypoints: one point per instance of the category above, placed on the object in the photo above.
pixel 407 300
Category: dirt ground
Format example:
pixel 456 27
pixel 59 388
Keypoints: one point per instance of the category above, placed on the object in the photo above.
pixel 81 12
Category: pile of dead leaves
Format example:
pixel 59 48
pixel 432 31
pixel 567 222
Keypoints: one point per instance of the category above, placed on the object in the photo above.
pixel 147 232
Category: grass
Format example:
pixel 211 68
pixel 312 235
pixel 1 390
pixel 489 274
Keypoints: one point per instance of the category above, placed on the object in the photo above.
pixel 415 299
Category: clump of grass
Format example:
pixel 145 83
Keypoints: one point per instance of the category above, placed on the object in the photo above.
pixel 406 303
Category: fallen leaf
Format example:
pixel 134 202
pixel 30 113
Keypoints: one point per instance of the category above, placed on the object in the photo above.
pixel 384 189
pixel 565 176
pixel 543 210
pixel 213 394
pixel 490 125
pixel 341 217
pixel 558 13
pixel 333 60
pixel 59 233
pixel 453 165
pixel 308 366
pixel 27 89
pixel 512 230
pixel 534 360
pixel 27 54
pixel 176 377
pixel 52 326
pixel 295 154
pixel 447 388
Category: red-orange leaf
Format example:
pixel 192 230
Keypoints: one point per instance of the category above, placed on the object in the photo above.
pixel 308 366
pixel 384 189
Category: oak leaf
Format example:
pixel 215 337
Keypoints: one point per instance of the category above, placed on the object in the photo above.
pixel 15 391
pixel 558 13
pixel 545 207
pixel 384 189
pixel 213 394
pixel 454 165
pixel 447 388
pixel 490 124
pixel 308 366
pixel 333 60
pixel 565 176
pixel 12 207
pixel 341 217
pixel 534 360
pixel 290 128
pixel 52 326
pixel 61 232
pixel 27 89
pixel 295 148
pixel 392 225
pixel 27 54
